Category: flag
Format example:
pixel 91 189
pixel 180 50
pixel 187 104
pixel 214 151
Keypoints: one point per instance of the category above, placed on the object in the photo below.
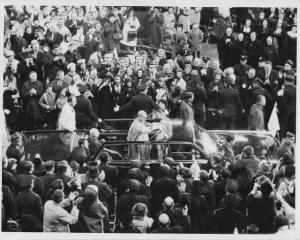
pixel 273 124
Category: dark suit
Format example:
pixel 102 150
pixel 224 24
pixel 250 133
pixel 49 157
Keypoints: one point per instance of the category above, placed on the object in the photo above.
pixel 230 104
pixel 271 88
pixel 287 110
pixel 111 174
pixel 38 184
pixel 160 189
pixel 241 70
pixel 261 211
pixel 225 220
pixel 30 210
pixel 85 115
pixel 47 180
pixel 137 103
pixel 126 202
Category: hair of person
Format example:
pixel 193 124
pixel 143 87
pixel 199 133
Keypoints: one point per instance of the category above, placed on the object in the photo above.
pixel 104 157
pixel 28 166
pixel 259 98
pixel 81 141
pixel 58 196
pixel 266 189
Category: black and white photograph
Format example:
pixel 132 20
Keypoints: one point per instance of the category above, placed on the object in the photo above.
pixel 148 119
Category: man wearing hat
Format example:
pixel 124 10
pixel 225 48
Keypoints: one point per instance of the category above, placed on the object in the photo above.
pixel 16 148
pixel 287 107
pixel 242 68
pixel 286 70
pixel 85 115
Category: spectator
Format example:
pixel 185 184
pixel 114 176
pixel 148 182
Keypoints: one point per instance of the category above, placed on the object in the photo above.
pixel 256 116
pixel 245 168
pixel 32 91
pixel 111 172
pixel 66 119
pixel 81 153
pixel 57 219
pixel 226 219
pixel 140 219
pixel 29 205
pixel 186 107
pixel 262 209
pixel 92 212
pixel 85 115
pixel 161 188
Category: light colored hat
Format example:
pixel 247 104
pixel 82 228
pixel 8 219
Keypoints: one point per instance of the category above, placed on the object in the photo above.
pixel 92 187
pixel 70 65
pixel 163 219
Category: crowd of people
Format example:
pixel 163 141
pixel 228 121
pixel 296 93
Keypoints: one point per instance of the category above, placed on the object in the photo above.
pixel 71 68
pixel 232 193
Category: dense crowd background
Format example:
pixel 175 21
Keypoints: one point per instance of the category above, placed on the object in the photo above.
pixel 73 67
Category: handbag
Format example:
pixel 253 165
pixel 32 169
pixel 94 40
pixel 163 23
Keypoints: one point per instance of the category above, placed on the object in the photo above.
pixel 117 36
pixel 132 34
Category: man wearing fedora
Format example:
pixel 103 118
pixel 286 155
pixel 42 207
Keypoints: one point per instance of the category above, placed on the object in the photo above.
pixel 242 68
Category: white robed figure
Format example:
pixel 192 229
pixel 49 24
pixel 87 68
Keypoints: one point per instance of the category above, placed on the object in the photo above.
pixel 131 26
pixel 139 131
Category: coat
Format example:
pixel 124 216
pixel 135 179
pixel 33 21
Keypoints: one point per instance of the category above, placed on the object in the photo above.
pixel 245 170
pixel 160 189
pixel 137 103
pixel 225 49
pixel 256 118
pixel 229 101
pixel 57 219
pixel 29 206
pixel 195 37
pixel 32 108
pixel 126 202
pixel 225 220
pixel 91 216
pixel 67 119
pixel 155 25
pixel 262 212
pixel 84 110
pixel 287 104
pixel 254 51
pixel 186 111
pixel 109 29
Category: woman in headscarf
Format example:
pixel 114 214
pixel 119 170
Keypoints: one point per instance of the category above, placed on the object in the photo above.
pixel 92 212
